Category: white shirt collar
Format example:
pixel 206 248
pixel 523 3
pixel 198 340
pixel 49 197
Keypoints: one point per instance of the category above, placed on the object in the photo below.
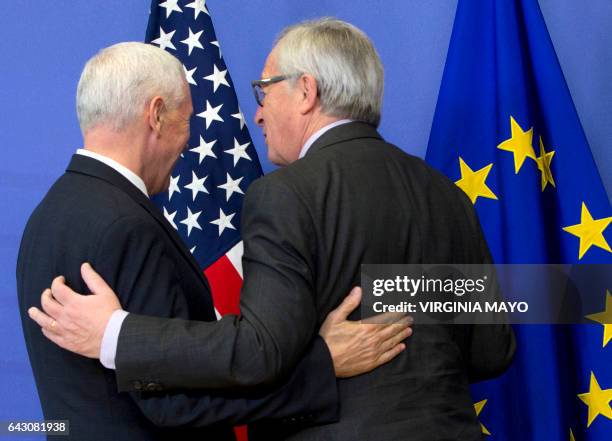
pixel 124 171
pixel 316 135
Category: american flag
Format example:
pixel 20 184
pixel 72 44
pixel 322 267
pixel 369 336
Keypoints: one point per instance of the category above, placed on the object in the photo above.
pixel 207 186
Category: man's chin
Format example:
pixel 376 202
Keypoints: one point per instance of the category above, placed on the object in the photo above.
pixel 161 189
pixel 275 160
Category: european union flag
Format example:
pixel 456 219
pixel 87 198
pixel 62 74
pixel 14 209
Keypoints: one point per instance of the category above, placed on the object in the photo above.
pixel 506 131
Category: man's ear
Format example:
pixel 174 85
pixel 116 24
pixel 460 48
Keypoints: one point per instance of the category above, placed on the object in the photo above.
pixel 155 114
pixel 307 85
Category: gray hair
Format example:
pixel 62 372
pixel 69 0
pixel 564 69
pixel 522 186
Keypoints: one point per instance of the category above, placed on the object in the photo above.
pixel 343 60
pixel 117 83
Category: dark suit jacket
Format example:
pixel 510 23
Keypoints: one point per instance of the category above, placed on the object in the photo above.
pixel 307 228
pixel 94 214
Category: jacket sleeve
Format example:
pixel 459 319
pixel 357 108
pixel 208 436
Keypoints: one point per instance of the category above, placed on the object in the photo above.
pixel 310 396
pixel 134 262
pixel 278 315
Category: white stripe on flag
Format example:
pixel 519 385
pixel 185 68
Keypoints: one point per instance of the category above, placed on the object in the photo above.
pixel 235 256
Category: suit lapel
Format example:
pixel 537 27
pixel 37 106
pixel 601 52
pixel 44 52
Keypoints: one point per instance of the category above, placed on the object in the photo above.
pixel 342 133
pixel 92 167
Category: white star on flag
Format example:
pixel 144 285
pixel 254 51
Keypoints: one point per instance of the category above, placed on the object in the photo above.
pixel 239 116
pixel 173 186
pixel 198 6
pixel 211 114
pixel 239 151
pixel 216 43
pixel 224 221
pixel 197 185
pixel 164 40
pixel 189 75
pixel 231 186
pixel 192 250
pixel 217 77
pixel 170 218
pixel 170 6
pixel 191 221
pixel 204 149
pixel 193 41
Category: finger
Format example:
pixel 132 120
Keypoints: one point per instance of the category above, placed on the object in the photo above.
pixel 390 354
pixel 55 338
pixel 348 305
pixel 62 292
pixel 57 281
pixel 396 339
pixel 43 320
pixel 406 320
pixel 95 282
pixel 51 306
pixel 385 318
pixel 386 333
pixel 405 334
pixel 390 330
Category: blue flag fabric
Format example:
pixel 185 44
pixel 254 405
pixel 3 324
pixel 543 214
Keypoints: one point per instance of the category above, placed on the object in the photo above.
pixel 506 131
pixel 210 178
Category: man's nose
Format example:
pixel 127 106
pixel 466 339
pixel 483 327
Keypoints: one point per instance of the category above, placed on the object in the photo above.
pixel 258 117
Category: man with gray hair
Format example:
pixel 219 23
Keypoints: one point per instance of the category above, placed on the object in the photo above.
pixel 134 107
pixel 345 197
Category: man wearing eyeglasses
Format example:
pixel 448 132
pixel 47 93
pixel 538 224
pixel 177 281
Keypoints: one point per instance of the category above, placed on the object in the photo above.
pixel 344 197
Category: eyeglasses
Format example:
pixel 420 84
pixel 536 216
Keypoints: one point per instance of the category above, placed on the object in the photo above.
pixel 258 86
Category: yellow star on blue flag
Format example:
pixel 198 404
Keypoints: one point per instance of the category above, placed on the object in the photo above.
pixel 505 109
pixel 590 231
pixel 473 183
pixel 519 144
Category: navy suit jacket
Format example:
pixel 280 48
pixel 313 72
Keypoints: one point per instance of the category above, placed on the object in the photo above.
pixel 92 213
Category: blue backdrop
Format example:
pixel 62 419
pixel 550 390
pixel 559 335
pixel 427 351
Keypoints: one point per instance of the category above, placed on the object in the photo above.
pixel 44 45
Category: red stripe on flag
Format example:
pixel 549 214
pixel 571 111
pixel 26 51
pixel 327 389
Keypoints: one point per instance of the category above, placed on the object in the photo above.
pixel 241 433
pixel 225 284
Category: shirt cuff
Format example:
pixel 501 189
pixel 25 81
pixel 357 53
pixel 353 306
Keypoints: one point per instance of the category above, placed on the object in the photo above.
pixel 108 349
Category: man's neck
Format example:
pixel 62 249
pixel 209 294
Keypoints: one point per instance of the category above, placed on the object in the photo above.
pixel 320 132
pixel 121 147
pixel 127 173
pixel 317 123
